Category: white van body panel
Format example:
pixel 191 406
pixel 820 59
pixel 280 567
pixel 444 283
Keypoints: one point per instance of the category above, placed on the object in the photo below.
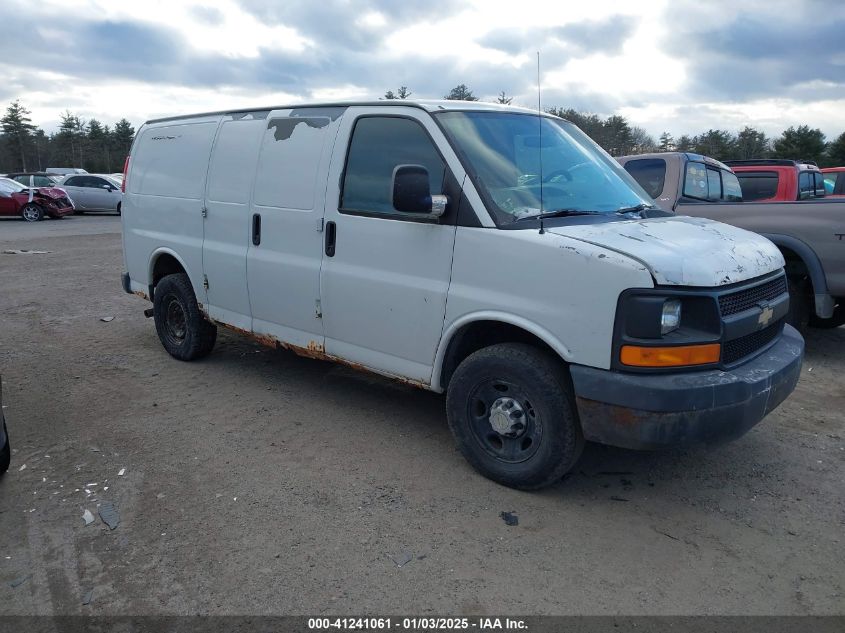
pixel 684 251
pixel 162 207
pixel 499 272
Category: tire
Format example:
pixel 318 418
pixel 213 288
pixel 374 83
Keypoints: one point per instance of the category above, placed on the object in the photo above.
pixel 5 453
pixel 528 389
pixel 31 212
pixel 118 208
pixel 834 321
pixel 799 304
pixel 180 325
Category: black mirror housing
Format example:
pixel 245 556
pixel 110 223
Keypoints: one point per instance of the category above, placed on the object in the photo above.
pixel 411 191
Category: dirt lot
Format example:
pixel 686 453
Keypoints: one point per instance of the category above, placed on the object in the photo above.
pixel 258 482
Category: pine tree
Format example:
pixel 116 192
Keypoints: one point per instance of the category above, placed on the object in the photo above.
pixel 461 93
pixel 18 128
pixel 121 137
pixel 836 152
pixel 503 99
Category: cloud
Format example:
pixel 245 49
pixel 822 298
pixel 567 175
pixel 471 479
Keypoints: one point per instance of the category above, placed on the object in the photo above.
pixel 667 64
pixel 775 49
pixel 605 35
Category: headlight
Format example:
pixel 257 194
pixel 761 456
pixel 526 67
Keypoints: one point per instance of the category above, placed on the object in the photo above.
pixel 670 318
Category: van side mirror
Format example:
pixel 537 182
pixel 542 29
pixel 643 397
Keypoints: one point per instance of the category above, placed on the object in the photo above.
pixel 412 194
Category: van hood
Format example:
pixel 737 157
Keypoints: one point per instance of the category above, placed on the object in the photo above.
pixel 684 251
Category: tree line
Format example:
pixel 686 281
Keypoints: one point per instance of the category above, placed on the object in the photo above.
pixel 99 148
pixel 619 138
pixel 96 147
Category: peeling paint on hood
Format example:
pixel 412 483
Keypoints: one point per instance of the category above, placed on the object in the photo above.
pixel 684 251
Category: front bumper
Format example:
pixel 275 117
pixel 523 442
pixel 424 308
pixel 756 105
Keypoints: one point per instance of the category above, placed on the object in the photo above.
pixel 653 411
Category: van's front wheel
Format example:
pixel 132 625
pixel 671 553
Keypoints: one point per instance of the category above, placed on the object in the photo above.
pixel 511 409
pixel 180 325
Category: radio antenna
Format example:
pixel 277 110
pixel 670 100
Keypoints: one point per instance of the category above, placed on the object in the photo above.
pixel 540 142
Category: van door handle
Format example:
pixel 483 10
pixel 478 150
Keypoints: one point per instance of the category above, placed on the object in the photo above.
pixel 331 236
pixel 256 229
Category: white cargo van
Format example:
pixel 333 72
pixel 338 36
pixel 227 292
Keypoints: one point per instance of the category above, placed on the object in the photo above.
pixel 484 251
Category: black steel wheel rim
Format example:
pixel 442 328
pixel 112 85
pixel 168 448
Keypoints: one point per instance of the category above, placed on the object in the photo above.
pixel 175 326
pixel 523 439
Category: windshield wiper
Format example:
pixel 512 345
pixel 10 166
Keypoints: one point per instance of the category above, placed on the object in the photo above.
pixel 557 213
pixel 636 208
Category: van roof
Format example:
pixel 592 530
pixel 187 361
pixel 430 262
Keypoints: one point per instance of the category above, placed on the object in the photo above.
pixel 429 105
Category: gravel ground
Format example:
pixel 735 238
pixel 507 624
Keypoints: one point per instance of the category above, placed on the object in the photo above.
pixel 257 482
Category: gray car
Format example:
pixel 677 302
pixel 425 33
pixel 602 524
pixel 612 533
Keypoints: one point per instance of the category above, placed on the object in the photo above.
pixel 93 192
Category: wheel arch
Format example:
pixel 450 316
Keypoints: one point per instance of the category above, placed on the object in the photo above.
pixel 164 261
pixel 799 255
pixel 482 329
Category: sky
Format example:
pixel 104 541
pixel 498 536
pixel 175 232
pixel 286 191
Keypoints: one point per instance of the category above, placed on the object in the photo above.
pixel 681 66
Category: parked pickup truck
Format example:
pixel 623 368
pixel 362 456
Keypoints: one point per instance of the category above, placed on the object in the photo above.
pixel 809 233
pixel 489 252
pixel 774 179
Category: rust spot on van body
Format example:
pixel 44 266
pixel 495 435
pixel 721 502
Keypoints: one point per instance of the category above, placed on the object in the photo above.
pixel 139 293
pixel 316 351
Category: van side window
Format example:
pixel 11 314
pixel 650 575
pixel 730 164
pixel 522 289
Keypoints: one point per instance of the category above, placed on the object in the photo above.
pixel 378 145
pixel 650 173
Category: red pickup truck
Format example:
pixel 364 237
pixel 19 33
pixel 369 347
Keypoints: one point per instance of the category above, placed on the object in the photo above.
pixel 834 181
pixel 778 180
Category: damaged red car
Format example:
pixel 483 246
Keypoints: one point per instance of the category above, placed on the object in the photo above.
pixel 33 203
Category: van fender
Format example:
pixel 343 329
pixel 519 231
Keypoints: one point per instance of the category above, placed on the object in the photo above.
pixel 492 315
pixel 824 303
pixel 163 250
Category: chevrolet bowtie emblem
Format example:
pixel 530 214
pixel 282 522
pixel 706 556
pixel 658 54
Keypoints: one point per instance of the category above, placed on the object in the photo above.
pixel 765 316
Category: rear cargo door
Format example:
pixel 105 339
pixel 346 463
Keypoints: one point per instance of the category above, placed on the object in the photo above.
pixel 286 217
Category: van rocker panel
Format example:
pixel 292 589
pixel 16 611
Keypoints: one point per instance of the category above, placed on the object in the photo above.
pixel 653 411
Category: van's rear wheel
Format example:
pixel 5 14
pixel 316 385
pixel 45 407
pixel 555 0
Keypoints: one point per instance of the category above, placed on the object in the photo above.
pixel 181 327
pixel 511 409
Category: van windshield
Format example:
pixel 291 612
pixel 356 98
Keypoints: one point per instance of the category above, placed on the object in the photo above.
pixel 525 165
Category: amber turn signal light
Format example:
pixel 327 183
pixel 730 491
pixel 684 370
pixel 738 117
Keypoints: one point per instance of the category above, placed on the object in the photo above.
pixel 670 356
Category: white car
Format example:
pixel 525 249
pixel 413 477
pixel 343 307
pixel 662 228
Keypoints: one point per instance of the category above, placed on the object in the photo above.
pixel 93 192
pixel 489 252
